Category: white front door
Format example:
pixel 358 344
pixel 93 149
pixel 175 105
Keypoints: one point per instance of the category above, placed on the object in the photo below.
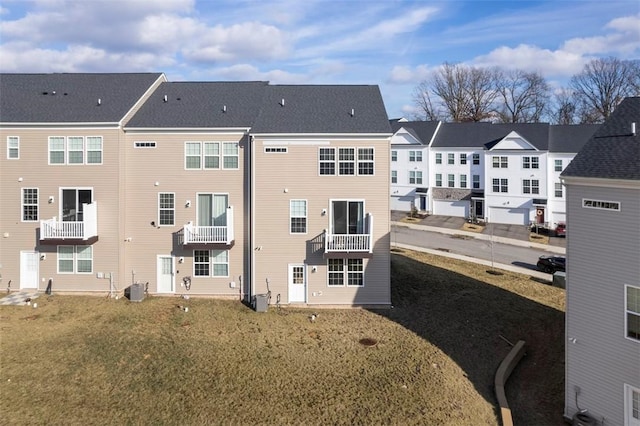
pixel 165 275
pixel 631 406
pixel 29 266
pixel 297 284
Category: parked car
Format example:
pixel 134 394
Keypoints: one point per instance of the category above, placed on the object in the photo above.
pixel 560 230
pixel 551 264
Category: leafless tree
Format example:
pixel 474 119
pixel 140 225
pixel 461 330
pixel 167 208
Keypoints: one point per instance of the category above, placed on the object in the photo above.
pixel 426 109
pixel 602 85
pixel 482 92
pixel 524 96
pixel 564 109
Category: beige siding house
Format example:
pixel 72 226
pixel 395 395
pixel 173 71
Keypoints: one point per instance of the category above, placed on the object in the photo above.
pixel 225 189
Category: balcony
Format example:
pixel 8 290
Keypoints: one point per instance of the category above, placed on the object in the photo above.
pixel 342 245
pixel 54 230
pixel 197 235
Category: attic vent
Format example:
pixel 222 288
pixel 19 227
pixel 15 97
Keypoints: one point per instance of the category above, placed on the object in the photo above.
pixel 633 128
pixel 353 112
pixel 165 99
pixel 282 102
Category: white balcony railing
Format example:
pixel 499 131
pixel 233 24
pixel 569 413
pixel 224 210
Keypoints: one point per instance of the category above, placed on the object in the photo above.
pixel 54 229
pixel 210 234
pixel 351 242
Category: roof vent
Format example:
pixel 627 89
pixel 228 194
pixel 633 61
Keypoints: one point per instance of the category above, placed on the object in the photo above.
pixel 165 99
pixel 633 128
pixel 282 102
pixel 99 101
pixel 224 108
pixel 353 112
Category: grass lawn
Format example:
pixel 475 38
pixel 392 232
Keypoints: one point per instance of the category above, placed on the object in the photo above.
pixel 92 360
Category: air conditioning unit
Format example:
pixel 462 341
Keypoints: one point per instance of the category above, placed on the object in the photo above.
pixel 136 292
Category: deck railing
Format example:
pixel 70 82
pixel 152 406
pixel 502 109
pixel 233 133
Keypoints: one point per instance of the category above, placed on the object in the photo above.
pixel 54 229
pixel 194 234
pixel 351 242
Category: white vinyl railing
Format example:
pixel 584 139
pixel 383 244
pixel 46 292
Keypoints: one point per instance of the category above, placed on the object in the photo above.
pixel 54 229
pixel 210 234
pixel 350 242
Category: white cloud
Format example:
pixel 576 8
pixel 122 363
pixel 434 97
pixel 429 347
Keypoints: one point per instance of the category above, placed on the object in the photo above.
pixel 625 40
pixel 532 58
pixel 246 72
pixel 408 75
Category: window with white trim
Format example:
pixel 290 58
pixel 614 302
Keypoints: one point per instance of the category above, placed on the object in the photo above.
pixel 415 156
pixel 346 161
pixel 600 204
pixel 192 155
pixel 29 204
pixel 13 147
pixel 75 259
pixel 500 185
pixel 557 165
pixel 211 152
pixel 394 155
pixel 559 192
pixel 632 312
pixel 530 186
pixel 438 158
pixel 327 161
pixel 476 158
pixel 144 144
pixel 530 162
pixel 476 181
pixel 75 150
pixel 94 150
pixel 463 158
pixel 394 176
pixel 463 181
pixel 166 208
pixel 451 180
pixel 56 150
pixel 349 271
pixel 211 263
pixel 415 177
pixel 500 162
pixel 451 158
pixel 298 216
pixel 275 149
pixel 366 161
pixel 230 155
pixel 438 179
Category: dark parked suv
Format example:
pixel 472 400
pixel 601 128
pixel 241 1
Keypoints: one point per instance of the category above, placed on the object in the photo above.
pixel 551 264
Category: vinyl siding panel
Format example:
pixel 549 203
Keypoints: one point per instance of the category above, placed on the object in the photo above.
pixel 603 249
pixel 279 178
pixel 165 165
pixel 35 172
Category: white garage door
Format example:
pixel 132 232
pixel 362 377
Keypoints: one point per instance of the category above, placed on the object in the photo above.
pixel 509 216
pixel 402 204
pixel 451 208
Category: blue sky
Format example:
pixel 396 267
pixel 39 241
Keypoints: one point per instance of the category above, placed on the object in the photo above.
pixel 393 44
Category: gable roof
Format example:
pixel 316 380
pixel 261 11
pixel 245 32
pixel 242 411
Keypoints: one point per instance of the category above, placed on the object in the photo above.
pixel 484 135
pixel 71 98
pixel 423 131
pixel 570 138
pixel 201 104
pixel 322 109
pixel 614 150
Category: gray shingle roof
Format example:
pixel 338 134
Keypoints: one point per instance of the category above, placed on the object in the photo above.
pixel 322 109
pixel 570 138
pixel 613 152
pixel 422 130
pixel 70 98
pixel 201 104
pixel 486 135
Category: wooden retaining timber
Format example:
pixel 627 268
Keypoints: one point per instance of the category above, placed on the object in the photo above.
pixel 502 375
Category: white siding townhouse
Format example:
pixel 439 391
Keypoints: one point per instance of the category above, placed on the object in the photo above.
pixel 602 366
pixel 502 173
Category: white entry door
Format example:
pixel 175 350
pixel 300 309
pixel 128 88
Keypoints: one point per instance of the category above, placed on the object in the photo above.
pixel 165 275
pixel 631 406
pixel 297 284
pixel 29 266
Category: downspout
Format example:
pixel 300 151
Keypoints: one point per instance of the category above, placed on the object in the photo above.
pixel 252 263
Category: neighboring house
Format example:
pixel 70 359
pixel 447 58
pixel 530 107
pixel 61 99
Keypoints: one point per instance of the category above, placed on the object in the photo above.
pixel 410 164
pixel 216 188
pixel 495 172
pixel 603 273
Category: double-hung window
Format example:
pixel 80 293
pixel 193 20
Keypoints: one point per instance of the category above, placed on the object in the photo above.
pixel 346 161
pixel 530 162
pixel 500 162
pixel 211 263
pixel 557 165
pixel 451 158
pixel 463 158
pixel 166 208
pixel 438 179
pixel 211 152
pixel 463 181
pixel 94 149
pixel 230 155
pixel 56 150
pixel 476 181
pixel 558 190
pixel 530 186
pixel 29 204
pixel 500 185
pixel 298 216
pixel 75 259
pixel 476 158
pixel 632 312
pixel 394 155
pixel 415 156
pixel 13 147
pixel 451 180
pixel 349 271
pixel 415 177
pixel 206 155
pixel 366 161
pixel 394 176
pixel 438 158
pixel 75 150
pixel 327 161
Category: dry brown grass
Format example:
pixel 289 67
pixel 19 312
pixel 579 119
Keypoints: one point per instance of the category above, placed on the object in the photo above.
pixel 538 238
pixel 472 227
pixel 89 360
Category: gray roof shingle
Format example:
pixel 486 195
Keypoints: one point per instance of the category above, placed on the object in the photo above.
pixel 201 104
pixel 614 151
pixel 486 135
pixel 322 109
pixel 422 130
pixel 570 138
pixel 71 98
